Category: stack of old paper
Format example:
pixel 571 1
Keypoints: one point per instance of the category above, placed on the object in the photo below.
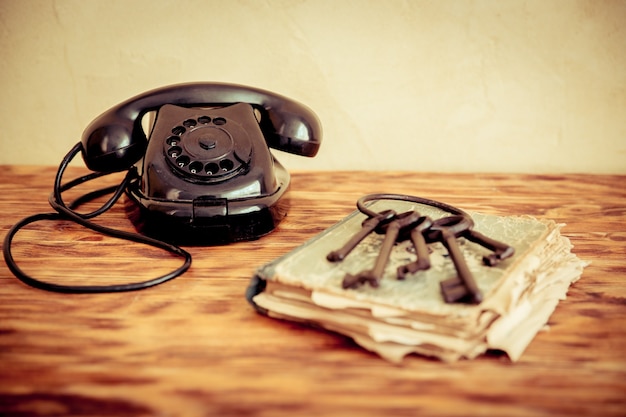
pixel 410 316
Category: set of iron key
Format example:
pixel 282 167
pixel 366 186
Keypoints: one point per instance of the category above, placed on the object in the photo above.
pixel 421 231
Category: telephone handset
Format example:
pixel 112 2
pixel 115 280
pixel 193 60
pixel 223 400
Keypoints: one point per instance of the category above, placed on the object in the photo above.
pixel 115 140
pixel 204 175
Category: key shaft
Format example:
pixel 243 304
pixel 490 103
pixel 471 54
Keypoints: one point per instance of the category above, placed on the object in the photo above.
pixel 500 250
pixel 367 227
pixel 421 250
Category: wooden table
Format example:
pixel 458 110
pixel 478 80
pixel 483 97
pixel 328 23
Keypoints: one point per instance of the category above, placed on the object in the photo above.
pixel 195 347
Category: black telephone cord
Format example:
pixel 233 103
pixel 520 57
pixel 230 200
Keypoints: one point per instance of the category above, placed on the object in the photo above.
pixel 64 212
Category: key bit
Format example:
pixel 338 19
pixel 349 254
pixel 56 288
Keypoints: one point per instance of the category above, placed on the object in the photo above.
pixel 367 227
pixel 355 281
pixel 421 250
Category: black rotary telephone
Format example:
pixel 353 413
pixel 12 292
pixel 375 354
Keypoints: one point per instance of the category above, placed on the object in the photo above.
pixel 205 175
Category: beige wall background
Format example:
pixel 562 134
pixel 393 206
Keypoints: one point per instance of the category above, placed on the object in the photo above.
pixel 460 86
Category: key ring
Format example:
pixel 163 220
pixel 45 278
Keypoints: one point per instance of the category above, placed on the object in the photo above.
pixel 455 225
pixel 360 204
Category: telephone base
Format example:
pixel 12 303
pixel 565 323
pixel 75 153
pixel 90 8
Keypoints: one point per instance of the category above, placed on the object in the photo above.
pixel 221 230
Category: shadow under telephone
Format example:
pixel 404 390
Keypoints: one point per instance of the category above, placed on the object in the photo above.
pixel 205 174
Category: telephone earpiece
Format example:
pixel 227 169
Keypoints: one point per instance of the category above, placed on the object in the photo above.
pixel 115 140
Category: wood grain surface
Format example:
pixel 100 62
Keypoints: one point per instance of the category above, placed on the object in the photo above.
pixel 195 347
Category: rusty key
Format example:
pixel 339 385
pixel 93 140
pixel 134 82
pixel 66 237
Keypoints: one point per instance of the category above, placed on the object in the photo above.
pixel 421 250
pixel 462 287
pixel 367 227
pixel 500 250
pixel 392 231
